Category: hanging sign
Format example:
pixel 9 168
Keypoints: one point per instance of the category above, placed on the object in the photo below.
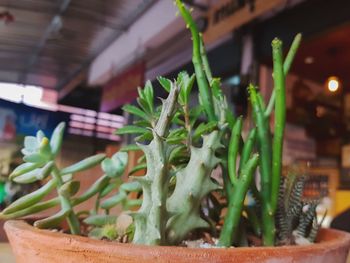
pixel 228 15
pixel 122 89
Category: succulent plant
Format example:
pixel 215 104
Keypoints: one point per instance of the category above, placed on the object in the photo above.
pixel 182 146
pixel 40 165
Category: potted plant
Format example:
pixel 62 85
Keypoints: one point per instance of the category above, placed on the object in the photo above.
pixel 182 213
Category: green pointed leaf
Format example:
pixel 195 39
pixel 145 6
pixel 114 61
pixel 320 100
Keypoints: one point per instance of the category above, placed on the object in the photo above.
pixel 84 164
pixel 135 111
pixel 195 113
pixel 166 83
pixel 56 138
pixel 131 129
pixel 149 94
pixel 204 128
pixel 30 199
pixel 130 147
pixel 142 123
pixel 34 175
pixel 147 136
pixel 22 169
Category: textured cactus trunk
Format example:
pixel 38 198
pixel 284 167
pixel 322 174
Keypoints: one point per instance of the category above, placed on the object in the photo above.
pixel 150 220
pixel 192 184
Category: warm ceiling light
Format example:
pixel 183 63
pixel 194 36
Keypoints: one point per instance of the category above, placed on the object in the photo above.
pixel 333 84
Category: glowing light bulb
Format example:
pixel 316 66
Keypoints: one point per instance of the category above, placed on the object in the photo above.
pixel 333 84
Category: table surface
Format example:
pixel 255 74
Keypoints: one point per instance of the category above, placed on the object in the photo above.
pixel 6 255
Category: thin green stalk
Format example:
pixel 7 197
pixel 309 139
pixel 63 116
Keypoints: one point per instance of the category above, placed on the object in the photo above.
pixel 205 61
pixel 280 120
pixel 264 146
pixel 66 205
pixel 264 141
pixel 204 91
pixel 236 201
pixel 233 150
pixel 286 67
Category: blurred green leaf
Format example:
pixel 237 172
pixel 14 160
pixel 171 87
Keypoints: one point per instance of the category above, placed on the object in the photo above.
pixel 115 166
pixel 131 129
pixel 22 169
pixel 52 221
pixel 130 147
pixel 165 83
pixel 100 220
pixel 56 138
pixel 204 128
pixel 114 200
pixel 34 175
pixel 136 111
pixel 84 164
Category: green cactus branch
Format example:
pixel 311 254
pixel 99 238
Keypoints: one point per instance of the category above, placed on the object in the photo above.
pixel 193 183
pixel 236 201
pixel 206 98
pixel 150 220
pixel 286 67
pixel 280 120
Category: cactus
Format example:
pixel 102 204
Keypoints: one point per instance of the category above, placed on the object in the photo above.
pixel 296 217
pixel 270 147
pixel 150 220
pixel 193 183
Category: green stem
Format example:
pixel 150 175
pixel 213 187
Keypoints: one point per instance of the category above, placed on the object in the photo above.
pixel 280 120
pixel 204 91
pixel 236 201
pixel 286 67
pixel 264 145
pixel 233 150
pixel 66 205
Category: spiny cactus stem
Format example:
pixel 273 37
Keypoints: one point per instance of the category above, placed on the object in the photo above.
pixel 66 205
pixel 236 201
pixel 280 120
pixel 168 108
pixel 204 91
pixel 286 67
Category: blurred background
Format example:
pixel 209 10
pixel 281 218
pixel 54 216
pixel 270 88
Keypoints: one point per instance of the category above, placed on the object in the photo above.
pixel 81 61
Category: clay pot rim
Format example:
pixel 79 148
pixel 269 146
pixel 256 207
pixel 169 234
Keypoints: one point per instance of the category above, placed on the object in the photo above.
pixel 329 239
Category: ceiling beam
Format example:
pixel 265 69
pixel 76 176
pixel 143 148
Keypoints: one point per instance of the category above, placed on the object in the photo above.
pixel 51 27
pixel 65 85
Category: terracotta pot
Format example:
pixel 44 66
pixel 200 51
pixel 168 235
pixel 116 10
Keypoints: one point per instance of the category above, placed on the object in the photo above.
pixel 31 245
